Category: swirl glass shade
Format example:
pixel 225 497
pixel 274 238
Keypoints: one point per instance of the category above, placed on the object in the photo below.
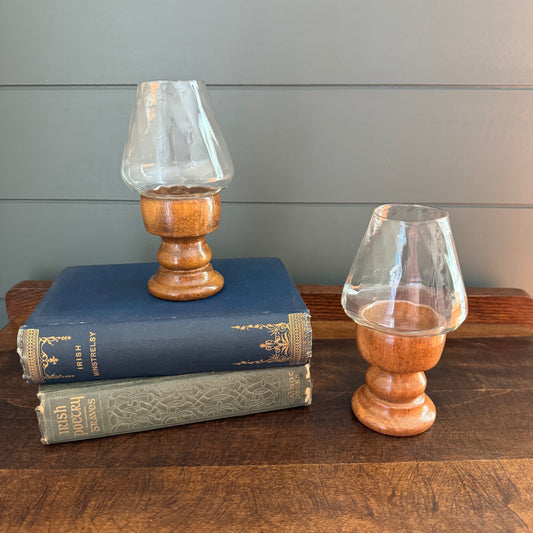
pixel 174 144
pixel 405 278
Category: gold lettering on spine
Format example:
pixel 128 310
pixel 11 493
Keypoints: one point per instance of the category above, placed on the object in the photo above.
pixel 78 355
pixel 294 387
pixel 62 419
pixel 92 350
pixel 78 416
pixel 93 416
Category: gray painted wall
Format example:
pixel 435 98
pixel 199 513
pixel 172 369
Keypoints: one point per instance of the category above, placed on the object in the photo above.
pixel 328 108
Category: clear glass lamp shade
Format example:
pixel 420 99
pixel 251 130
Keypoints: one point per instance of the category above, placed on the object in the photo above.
pixel 405 278
pixel 174 144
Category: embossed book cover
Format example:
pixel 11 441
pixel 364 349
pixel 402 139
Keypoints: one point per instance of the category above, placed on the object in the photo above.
pixel 77 411
pixel 100 322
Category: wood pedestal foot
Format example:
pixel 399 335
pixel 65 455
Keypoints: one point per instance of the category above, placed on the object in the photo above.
pixel 184 285
pixel 394 404
pixel 185 271
pixel 393 401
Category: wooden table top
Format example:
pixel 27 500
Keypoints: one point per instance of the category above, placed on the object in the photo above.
pixel 307 469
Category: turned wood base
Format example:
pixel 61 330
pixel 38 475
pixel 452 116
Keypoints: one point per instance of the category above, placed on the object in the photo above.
pixel 393 401
pixel 394 404
pixel 185 272
pixel 185 285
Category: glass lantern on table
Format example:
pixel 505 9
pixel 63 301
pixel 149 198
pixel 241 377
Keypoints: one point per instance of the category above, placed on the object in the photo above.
pixel 176 158
pixel 405 292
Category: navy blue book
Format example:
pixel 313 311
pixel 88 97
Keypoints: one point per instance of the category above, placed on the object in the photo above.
pixel 100 322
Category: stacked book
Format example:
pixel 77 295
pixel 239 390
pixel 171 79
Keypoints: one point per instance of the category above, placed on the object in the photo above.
pixel 110 358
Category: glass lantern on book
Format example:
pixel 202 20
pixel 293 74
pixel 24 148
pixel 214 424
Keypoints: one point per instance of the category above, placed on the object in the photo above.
pixel 176 158
pixel 405 292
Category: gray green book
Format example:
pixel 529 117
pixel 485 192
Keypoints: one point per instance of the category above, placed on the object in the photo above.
pixel 86 410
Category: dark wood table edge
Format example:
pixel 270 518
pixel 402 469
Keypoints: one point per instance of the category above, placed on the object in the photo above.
pixel 493 312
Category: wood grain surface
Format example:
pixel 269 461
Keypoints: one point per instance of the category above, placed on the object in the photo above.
pixel 419 496
pixel 492 312
pixel 185 272
pixel 311 469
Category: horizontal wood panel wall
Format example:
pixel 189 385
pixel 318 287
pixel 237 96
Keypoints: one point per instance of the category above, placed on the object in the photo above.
pixel 334 144
pixel 267 42
pixel 329 109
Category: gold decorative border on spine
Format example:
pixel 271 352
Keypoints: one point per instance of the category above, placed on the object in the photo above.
pixel 35 361
pixel 301 337
pixel 289 342
pixel 29 350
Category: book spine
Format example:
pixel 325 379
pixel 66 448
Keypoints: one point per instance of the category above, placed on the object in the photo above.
pixel 78 411
pixel 85 352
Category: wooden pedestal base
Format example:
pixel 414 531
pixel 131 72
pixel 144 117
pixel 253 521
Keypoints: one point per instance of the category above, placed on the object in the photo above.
pixel 393 401
pixel 185 271
pixel 189 285
pixel 394 404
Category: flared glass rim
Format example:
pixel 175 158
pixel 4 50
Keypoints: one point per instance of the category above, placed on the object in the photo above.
pixel 426 213
pixel 170 82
